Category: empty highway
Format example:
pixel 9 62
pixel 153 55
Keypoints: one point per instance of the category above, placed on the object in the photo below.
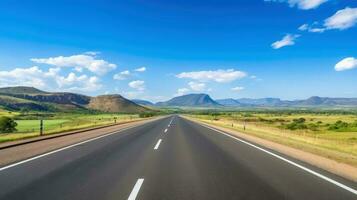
pixel 169 158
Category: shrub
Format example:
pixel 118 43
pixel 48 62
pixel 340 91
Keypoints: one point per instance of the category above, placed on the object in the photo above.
pixel 146 114
pixel 297 124
pixel 343 126
pixel 7 125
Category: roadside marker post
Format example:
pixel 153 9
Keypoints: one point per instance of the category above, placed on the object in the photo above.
pixel 41 127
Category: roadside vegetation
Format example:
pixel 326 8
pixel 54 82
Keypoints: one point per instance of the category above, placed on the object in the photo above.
pixel 332 134
pixel 26 124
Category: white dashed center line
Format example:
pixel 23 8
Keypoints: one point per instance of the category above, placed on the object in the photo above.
pixel 165 130
pixel 157 144
pixel 136 189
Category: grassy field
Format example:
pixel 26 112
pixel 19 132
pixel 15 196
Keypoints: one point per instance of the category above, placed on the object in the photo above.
pixel 312 132
pixel 29 124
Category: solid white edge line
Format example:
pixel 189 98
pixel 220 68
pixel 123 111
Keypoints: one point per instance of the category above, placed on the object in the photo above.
pixel 288 161
pixel 157 144
pixel 136 189
pixel 64 148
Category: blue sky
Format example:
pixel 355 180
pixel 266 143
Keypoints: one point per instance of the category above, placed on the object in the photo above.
pixel 290 49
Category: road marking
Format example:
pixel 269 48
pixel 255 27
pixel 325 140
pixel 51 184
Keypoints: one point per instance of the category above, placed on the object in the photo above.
pixel 157 144
pixel 288 161
pixel 64 148
pixel 136 189
pixel 165 130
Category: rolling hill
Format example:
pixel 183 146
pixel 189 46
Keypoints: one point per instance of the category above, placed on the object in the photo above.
pixel 29 98
pixel 114 103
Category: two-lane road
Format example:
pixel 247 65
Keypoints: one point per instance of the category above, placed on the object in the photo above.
pixel 170 158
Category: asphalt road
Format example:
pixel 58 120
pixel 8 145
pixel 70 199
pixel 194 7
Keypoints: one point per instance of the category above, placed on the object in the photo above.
pixel 170 158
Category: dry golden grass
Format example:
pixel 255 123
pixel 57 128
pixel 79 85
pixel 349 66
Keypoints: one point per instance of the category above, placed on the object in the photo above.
pixel 339 146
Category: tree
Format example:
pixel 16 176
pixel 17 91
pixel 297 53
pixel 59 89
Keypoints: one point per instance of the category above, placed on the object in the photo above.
pixel 7 125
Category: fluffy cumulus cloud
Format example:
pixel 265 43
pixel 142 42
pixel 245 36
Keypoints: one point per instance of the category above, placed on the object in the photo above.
pixel 140 69
pixel 346 64
pixel 288 40
pixel 237 89
pixel 341 20
pixel 138 85
pixel 74 82
pixel 195 86
pixel 220 76
pixel 301 4
pixel 79 62
pixel 49 80
pixel 122 75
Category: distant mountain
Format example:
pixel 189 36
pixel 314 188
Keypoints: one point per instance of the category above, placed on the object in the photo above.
pixel 29 98
pixel 228 102
pixel 314 101
pixel 260 102
pixel 190 100
pixel 327 101
pixel 142 102
pixel 115 103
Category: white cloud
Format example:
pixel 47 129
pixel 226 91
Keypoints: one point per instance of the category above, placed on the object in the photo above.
pixel 79 62
pixel 312 29
pixel 288 40
pixel 122 75
pixel 141 69
pixel 78 83
pixel 48 80
pixel 303 27
pixel 346 64
pixel 317 30
pixel 301 4
pixel 237 89
pixel 195 86
pixel 220 76
pixel 182 91
pixel 342 19
pixel 138 85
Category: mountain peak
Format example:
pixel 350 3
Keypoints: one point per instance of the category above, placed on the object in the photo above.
pixel 191 100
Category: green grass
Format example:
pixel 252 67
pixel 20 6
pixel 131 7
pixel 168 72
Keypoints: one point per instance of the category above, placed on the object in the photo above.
pixel 27 126
pixel 60 122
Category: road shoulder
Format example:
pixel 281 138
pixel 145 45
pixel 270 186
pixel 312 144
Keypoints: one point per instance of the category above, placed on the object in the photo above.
pixel 28 150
